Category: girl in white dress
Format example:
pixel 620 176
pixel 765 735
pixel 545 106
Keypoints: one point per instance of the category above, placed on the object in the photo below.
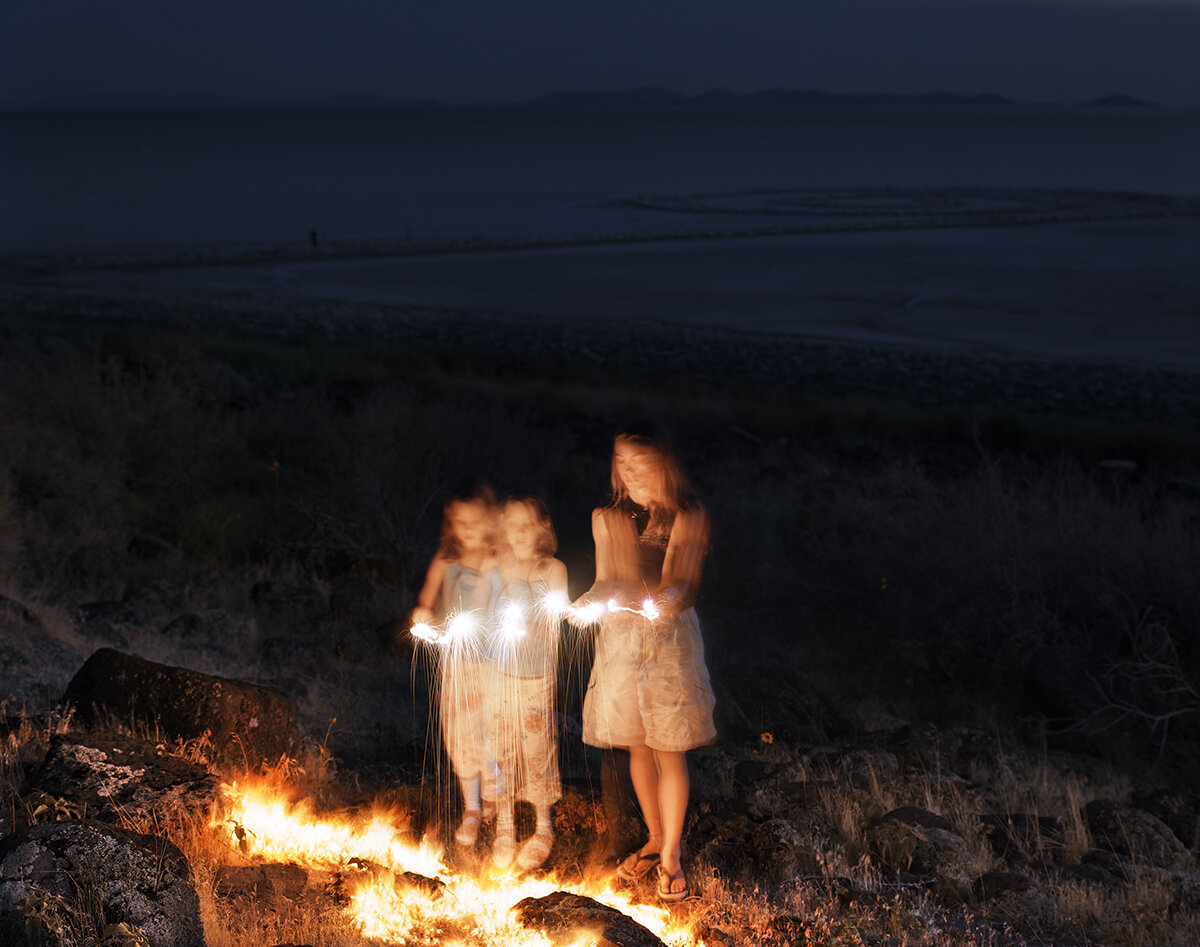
pixel 650 689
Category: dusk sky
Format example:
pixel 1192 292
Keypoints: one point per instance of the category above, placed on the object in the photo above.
pixel 505 50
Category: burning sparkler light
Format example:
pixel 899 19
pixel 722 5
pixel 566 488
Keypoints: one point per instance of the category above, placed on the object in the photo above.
pixel 512 622
pixel 555 604
pixel 592 612
pixel 460 628
pixel 426 632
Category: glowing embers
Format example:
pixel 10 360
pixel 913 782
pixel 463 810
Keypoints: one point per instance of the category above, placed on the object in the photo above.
pixel 404 893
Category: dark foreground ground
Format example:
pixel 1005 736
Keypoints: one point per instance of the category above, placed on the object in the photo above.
pixel 950 605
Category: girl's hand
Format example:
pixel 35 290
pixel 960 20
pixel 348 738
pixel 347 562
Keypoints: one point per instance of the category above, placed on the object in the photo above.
pixel 585 611
pixel 666 602
pixel 421 614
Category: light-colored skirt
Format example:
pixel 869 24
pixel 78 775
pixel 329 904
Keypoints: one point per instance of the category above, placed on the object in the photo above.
pixel 462 705
pixel 649 685
pixel 522 738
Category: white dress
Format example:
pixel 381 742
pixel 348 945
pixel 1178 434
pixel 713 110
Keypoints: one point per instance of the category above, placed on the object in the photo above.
pixel 649 682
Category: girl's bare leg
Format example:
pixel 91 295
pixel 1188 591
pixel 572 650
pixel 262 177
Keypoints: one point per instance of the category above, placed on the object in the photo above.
pixel 673 789
pixel 643 771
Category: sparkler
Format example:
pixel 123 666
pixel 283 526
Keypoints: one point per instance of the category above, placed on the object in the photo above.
pixel 426 632
pixel 458 628
pixel 592 612
pixel 512 622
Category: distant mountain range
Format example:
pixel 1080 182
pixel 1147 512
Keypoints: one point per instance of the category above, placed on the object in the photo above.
pixel 642 98
pixel 654 97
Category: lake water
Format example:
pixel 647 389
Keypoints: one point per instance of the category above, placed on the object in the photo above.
pixel 1028 231
pixel 109 180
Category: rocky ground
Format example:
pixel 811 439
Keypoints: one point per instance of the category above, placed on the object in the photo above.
pixel 905 835
pixel 833 816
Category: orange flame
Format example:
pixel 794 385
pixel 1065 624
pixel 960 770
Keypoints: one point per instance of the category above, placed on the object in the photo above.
pixel 464 910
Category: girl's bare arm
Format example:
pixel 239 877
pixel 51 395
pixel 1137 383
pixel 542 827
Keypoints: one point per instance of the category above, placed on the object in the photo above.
pixel 605 565
pixel 427 597
pixel 684 562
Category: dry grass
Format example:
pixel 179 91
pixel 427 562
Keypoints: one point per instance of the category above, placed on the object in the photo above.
pixel 851 900
pixel 941 573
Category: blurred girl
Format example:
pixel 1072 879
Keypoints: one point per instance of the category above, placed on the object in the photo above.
pixel 650 689
pixel 461 589
pixel 525 650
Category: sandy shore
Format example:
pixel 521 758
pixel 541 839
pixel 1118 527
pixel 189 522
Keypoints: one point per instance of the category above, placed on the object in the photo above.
pixel 918 375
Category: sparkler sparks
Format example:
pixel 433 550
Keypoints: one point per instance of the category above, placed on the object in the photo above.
pixel 471 911
pixel 459 628
pixel 426 632
pixel 512 622
pixel 592 612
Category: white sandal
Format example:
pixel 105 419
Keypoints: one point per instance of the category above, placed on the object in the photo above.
pixel 503 850
pixel 535 851
pixel 468 829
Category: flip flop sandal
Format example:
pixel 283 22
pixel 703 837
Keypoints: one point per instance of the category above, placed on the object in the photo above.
pixel 665 880
pixel 468 829
pixel 635 866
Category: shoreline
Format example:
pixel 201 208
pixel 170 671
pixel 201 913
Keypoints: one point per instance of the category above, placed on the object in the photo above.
pixel 921 376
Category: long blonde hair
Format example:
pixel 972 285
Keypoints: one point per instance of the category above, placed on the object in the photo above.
pixel 547 541
pixel 470 491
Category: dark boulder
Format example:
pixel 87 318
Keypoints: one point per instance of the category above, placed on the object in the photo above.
pixel 246 723
pixel 1019 835
pixel 81 877
pixel 917 842
pixel 1179 810
pixel 119 779
pixel 1133 833
pixel 562 917
pixel 997 884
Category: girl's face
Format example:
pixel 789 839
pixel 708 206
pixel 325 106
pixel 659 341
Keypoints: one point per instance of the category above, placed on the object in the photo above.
pixel 521 529
pixel 640 470
pixel 468 523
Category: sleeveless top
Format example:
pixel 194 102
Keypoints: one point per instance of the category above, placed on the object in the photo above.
pixel 467 590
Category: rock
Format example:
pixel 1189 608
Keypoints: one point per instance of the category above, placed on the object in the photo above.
pixel 83 876
pixel 264 888
pixel 1179 810
pixel 563 917
pixel 1133 833
pixel 917 841
pixel 781 851
pixel 1023 835
pixel 117 779
pixel 995 884
pixel 149 606
pixel 246 723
